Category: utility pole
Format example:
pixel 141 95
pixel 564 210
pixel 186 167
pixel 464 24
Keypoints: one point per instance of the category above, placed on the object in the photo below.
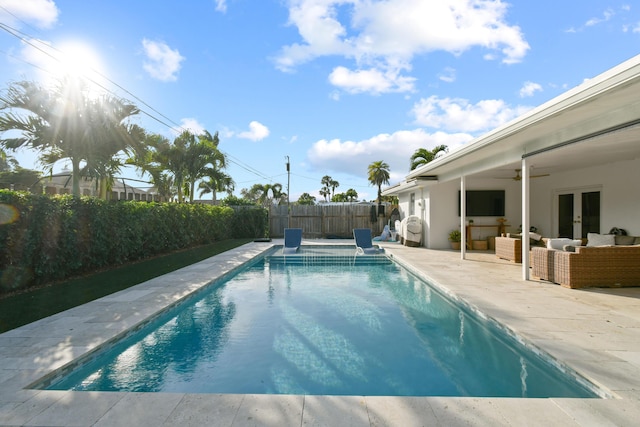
pixel 288 192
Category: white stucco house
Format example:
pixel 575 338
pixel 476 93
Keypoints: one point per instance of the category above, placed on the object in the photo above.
pixel 567 167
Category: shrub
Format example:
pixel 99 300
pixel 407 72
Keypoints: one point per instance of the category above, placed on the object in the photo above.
pixel 43 239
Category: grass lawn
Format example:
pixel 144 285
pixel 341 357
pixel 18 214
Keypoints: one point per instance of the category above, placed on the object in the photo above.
pixel 20 309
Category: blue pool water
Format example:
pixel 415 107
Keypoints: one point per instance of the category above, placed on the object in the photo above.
pixel 297 325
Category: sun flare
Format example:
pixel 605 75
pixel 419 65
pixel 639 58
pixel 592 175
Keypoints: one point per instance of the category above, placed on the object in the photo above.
pixel 77 59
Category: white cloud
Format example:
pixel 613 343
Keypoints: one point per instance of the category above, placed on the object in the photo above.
pixel 606 15
pixel 42 13
pixel 190 124
pixel 459 115
pixel 383 37
pixel 221 5
pixel 372 80
pixel 529 89
pixel 354 157
pixel 448 75
pixel 163 63
pixel 257 132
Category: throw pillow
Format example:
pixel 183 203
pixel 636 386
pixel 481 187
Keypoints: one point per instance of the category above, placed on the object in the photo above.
pixel 624 240
pixel 595 239
pixel 558 244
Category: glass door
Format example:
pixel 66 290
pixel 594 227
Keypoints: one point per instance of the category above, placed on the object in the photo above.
pixel 578 213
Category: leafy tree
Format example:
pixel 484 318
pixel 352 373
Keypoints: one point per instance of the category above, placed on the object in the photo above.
pixel 422 156
pixel 340 197
pixel 306 199
pixel 216 183
pixel 232 200
pixel 67 122
pixel 260 193
pixel 378 175
pixel 21 179
pixel 7 162
pixel 188 159
pixel 352 195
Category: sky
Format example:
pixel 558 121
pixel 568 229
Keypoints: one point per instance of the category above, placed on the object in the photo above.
pixel 329 86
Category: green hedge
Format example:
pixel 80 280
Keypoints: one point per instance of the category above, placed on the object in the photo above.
pixel 44 239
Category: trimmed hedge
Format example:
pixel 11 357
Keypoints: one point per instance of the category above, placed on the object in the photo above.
pixel 44 239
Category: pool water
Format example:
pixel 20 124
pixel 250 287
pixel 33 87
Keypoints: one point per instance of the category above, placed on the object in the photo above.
pixel 284 327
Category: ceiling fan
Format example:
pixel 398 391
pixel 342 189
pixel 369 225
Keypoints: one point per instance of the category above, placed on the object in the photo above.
pixel 519 178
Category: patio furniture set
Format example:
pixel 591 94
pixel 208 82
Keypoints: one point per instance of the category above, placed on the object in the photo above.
pixel 603 260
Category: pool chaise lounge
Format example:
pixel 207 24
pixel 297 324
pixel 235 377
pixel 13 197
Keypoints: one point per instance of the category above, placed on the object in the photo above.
pixel 292 240
pixel 364 244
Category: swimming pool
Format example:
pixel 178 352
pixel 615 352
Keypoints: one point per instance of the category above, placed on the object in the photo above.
pixel 323 323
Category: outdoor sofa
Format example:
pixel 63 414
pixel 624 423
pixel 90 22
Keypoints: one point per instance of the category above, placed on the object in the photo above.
pixel 606 261
pixel 510 248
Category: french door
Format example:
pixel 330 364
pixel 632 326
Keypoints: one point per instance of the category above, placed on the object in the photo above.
pixel 578 213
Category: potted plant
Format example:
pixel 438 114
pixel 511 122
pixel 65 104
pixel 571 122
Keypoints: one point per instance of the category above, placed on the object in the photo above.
pixel 455 237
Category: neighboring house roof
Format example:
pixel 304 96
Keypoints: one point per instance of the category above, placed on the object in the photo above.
pixel 63 180
pixel 594 123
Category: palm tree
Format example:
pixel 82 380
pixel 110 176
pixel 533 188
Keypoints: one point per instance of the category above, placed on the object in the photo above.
pixel 65 122
pixel 378 175
pixel 333 184
pixel 306 199
pixel 324 192
pixel 352 195
pixel 216 182
pixel 326 186
pixel 188 158
pixel 422 156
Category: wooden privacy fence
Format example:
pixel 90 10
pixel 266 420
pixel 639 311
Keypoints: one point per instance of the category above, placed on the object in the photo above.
pixel 326 221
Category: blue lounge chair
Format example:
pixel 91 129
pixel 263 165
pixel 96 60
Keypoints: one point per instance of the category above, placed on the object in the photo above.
pixel 364 244
pixel 292 240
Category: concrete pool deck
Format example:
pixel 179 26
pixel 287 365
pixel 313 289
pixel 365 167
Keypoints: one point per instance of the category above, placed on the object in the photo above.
pixel 595 332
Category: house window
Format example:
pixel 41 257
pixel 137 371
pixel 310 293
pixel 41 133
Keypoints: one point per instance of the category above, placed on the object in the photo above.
pixel 412 204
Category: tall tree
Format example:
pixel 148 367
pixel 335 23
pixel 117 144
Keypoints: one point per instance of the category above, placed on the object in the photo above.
pixel 217 180
pixel 422 156
pixel 333 184
pixel 306 199
pixel 65 121
pixel 325 192
pixel 264 194
pixel 188 158
pixel 352 195
pixel 378 175
pixel 327 184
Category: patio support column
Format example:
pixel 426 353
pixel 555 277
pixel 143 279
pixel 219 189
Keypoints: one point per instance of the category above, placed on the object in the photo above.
pixel 525 219
pixel 463 218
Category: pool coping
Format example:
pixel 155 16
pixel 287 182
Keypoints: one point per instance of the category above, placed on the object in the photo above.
pixel 35 350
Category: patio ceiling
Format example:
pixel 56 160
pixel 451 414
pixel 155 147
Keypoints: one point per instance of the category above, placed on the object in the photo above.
pixel 595 123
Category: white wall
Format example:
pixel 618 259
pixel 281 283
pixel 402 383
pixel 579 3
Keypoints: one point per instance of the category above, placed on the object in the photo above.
pixel 619 184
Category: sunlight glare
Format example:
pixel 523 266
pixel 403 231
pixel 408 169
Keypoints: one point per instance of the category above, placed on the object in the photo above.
pixel 77 59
